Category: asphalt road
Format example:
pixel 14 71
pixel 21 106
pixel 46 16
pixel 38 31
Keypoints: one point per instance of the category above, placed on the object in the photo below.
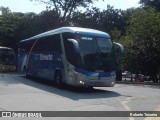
pixel 20 94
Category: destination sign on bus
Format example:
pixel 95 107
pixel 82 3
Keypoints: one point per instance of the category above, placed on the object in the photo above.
pixel 86 38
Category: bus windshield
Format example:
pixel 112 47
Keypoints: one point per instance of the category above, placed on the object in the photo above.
pixel 97 53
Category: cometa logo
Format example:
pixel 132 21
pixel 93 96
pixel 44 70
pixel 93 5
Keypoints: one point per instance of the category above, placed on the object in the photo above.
pixel 46 57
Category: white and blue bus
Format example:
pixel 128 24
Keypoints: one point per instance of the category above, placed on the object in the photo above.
pixel 70 55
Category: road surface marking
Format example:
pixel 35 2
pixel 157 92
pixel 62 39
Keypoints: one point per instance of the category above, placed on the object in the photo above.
pixel 124 103
pixel 154 118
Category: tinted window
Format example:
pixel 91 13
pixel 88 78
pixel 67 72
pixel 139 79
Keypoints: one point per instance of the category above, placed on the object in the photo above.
pixel 48 43
pixel 26 45
pixel 69 48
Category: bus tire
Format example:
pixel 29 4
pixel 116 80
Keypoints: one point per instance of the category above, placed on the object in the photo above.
pixel 58 78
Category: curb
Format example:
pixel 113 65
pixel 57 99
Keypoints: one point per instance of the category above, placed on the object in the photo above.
pixel 138 83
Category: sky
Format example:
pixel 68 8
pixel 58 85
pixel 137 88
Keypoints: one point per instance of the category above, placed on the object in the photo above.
pixel 36 7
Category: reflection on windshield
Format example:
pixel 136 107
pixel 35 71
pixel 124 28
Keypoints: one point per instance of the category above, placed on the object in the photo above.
pixel 87 47
pixel 104 45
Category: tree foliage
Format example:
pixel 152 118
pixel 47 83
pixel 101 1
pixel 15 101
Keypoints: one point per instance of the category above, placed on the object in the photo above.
pixel 107 20
pixel 9 22
pixel 4 10
pixel 17 26
pixel 142 42
pixel 65 8
pixel 151 3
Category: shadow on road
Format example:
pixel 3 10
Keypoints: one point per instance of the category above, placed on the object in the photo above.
pixel 71 92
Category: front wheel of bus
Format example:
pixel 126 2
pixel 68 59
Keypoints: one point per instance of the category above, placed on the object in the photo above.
pixel 58 78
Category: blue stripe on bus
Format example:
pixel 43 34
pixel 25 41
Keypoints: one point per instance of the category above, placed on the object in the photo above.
pixel 93 34
pixel 98 74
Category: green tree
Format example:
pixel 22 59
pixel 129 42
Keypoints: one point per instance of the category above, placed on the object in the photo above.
pixel 8 25
pixel 4 10
pixel 91 18
pixel 107 20
pixel 17 26
pixel 142 43
pixel 65 8
pixel 34 24
pixel 151 3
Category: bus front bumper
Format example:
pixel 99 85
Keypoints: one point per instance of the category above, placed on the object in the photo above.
pixel 93 81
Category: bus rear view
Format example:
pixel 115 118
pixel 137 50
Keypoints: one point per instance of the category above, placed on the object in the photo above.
pixel 7 59
pixel 86 57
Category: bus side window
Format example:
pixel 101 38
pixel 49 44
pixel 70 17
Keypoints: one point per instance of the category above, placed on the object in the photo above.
pixel 39 45
pixel 69 48
pixel 26 46
pixel 48 43
pixel 55 43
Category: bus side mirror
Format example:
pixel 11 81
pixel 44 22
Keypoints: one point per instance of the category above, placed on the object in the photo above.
pixel 75 44
pixel 120 48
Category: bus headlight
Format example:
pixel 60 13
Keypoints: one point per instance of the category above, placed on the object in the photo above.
pixel 76 76
pixel 81 82
pixel 73 74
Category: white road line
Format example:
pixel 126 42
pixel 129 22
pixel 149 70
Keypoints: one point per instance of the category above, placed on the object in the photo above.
pixel 124 103
pixel 154 118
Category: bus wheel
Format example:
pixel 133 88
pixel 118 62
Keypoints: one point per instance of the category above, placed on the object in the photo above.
pixel 58 78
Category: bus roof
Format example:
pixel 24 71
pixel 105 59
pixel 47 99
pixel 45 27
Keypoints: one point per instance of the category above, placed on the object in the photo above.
pixel 1 47
pixel 68 29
